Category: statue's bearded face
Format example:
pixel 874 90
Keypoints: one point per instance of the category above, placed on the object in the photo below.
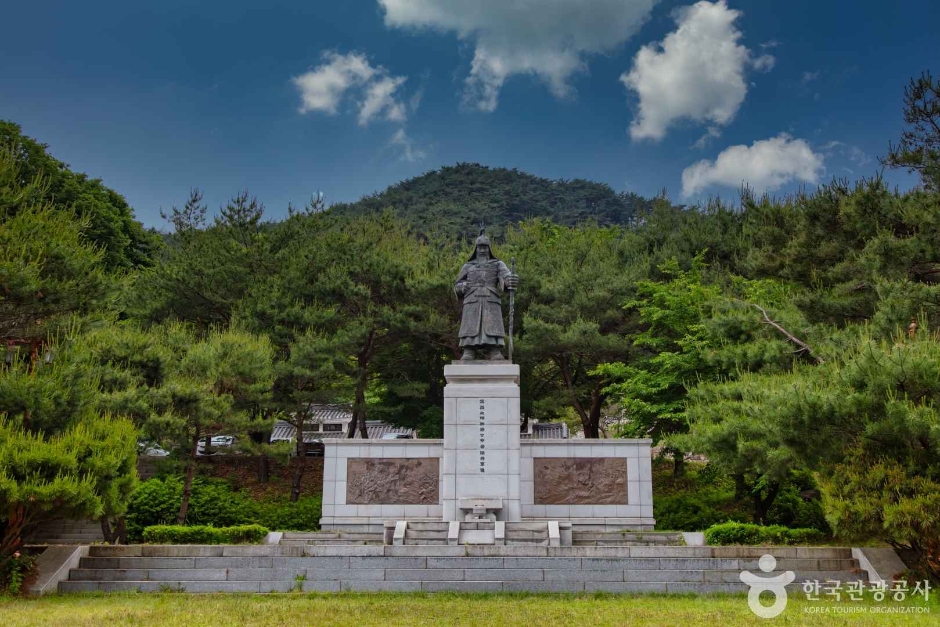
pixel 483 251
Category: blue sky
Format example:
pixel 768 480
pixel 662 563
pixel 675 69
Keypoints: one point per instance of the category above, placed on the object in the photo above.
pixel 287 98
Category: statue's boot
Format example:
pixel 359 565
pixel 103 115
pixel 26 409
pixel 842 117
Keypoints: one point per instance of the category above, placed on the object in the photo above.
pixel 495 355
pixel 468 355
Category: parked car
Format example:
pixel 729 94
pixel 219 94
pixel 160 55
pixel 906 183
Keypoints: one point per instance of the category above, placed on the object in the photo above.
pixel 151 449
pixel 396 436
pixel 220 444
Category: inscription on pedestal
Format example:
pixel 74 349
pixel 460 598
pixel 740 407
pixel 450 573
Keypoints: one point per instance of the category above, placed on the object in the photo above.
pixel 580 481
pixel 392 481
pixel 482 435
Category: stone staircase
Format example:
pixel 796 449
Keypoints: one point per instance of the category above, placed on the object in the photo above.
pixel 317 538
pixel 626 538
pixel 284 568
pixel 67 532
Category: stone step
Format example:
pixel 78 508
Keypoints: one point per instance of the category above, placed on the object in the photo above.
pixel 331 542
pixel 527 535
pixel 404 586
pixel 268 580
pixel 429 535
pixel 317 536
pixel 428 526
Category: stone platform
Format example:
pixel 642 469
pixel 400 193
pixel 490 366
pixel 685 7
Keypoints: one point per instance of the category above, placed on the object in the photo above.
pixel 276 568
pixel 481 469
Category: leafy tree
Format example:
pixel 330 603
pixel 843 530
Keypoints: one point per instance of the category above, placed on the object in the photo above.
pixel 106 219
pixel 363 269
pixel 308 360
pixel 866 418
pixel 204 270
pixel 919 148
pixel 181 386
pixel 571 303
pixel 85 471
pixel 652 392
pixel 48 270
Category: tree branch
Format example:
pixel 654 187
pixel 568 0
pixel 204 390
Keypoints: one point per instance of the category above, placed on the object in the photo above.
pixel 803 346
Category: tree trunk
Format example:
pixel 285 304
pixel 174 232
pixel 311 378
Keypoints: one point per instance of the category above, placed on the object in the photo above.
pixel 116 534
pixel 588 421
pixel 678 463
pixel 12 533
pixel 264 468
pixel 188 482
pixel 120 530
pixel 207 448
pixel 301 449
pixel 362 381
pixel 360 406
pixel 106 531
pixel 762 504
pixel 740 487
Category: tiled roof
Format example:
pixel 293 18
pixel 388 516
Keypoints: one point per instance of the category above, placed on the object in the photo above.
pixel 377 428
pixel 547 431
pixel 284 432
pixel 330 413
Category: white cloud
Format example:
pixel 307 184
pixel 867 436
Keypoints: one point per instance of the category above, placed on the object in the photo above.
pixel 847 151
pixel 713 132
pixel 406 145
pixel 380 96
pixel 696 72
pixel 809 77
pixel 548 39
pixel 764 63
pixel 763 166
pixel 325 87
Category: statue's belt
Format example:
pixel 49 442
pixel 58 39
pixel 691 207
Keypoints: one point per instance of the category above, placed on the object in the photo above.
pixel 473 290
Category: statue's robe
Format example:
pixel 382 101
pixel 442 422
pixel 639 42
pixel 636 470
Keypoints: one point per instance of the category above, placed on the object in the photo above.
pixel 481 285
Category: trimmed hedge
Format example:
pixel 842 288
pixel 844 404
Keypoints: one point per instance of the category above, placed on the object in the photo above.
pixel 204 534
pixel 745 533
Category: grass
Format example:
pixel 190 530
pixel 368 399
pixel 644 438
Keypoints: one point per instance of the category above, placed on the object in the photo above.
pixel 464 610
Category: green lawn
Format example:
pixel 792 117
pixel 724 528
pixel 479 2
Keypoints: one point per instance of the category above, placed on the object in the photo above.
pixel 363 610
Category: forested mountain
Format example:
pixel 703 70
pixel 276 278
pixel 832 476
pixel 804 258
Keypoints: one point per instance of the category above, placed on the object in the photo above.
pixel 454 199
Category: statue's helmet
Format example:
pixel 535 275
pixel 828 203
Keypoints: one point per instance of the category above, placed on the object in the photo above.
pixel 482 240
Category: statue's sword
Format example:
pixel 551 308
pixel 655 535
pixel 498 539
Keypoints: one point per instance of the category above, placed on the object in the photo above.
pixel 512 307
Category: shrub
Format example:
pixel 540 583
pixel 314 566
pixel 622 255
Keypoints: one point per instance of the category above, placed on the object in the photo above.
pixel 790 509
pixel 214 503
pixel 690 512
pixel 18 573
pixel 154 502
pixel 304 515
pixel 204 534
pixel 745 533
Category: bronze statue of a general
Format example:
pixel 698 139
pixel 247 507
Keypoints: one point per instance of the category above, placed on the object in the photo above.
pixel 480 285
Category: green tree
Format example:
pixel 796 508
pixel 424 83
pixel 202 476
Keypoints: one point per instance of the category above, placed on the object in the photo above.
pixel 364 269
pixel 672 356
pixel 575 281
pixel 205 269
pixel 48 269
pixel 180 386
pixel 919 148
pixel 106 219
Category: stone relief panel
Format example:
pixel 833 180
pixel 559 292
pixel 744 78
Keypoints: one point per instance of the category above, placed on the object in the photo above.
pixel 392 481
pixel 580 481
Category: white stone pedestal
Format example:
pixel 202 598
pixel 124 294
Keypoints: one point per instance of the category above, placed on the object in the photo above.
pixel 481 438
